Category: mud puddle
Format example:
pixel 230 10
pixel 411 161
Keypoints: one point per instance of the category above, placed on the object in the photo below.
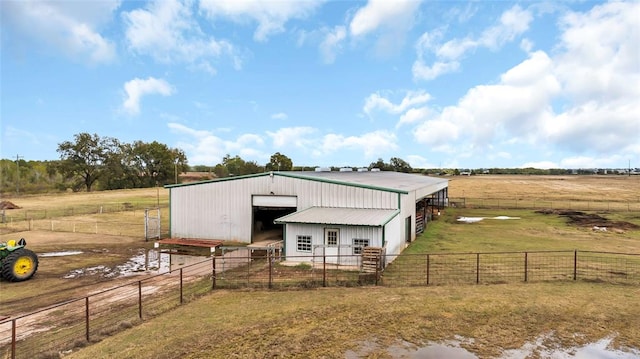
pixel 60 254
pixel 478 219
pixel 141 263
pixel 454 349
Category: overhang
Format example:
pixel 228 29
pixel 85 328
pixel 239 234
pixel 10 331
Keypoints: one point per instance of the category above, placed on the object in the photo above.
pixel 341 216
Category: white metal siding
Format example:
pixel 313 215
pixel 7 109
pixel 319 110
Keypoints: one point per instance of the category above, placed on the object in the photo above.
pixel 223 209
pixel 347 234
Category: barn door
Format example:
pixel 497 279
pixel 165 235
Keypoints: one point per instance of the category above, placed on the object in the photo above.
pixel 332 244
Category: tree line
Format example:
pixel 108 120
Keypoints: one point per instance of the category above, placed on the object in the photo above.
pixel 90 162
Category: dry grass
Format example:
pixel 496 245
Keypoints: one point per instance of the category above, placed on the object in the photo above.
pixel 326 323
pixel 547 188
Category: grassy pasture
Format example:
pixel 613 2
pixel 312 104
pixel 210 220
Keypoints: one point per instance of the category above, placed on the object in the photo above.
pixel 548 188
pixel 327 323
pixel 312 323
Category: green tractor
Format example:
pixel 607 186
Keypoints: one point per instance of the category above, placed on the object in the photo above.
pixel 16 262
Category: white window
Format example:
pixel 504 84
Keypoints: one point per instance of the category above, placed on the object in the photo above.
pixel 358 244
pixel 331 237
pixel 304 243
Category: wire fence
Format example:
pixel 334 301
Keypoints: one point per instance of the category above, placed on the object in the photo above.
pixel 559 204
pixel 61 328
pixel 116 219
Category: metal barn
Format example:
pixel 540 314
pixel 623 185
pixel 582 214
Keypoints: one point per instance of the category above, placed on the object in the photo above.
pixel 338 211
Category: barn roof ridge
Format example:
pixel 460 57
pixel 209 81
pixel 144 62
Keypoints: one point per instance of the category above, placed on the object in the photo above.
pixel 386 185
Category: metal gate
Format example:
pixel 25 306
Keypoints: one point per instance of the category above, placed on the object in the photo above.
pixel 151 223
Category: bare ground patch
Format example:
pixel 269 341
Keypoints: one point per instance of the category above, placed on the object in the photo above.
pixel 590 220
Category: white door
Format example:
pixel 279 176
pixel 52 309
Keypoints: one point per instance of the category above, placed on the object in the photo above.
pixel 332 244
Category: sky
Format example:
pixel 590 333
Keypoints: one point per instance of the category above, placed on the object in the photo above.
pixel 439 84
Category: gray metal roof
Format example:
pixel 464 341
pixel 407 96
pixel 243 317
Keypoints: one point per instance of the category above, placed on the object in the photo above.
pixel 383 180
pixel 337 216
pixel 396 181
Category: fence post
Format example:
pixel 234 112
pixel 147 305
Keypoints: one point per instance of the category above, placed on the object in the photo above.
pixel 428 269
pixel 140 299
pixel 526 264
pixel 377 268
pixel 575 265
pixel 270 269
pixel 86 313
pixel 213 272
pixel 477 268
pixel 248 267
pixel 13 339
pixel 181 297
pixel 324 269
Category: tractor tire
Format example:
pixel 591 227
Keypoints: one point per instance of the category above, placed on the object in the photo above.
pixel 20 265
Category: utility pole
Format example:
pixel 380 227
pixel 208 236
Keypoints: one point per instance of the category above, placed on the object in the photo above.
pixel 18 157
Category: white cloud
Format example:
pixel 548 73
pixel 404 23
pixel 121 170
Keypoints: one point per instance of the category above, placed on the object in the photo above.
pixel 372 144
pixel 204 147
pixel 167 31
pixel 137 88
pixel 292 136
pixel 271 16
pixel 389 20
pixel 378 102
pixel 279 116
pixel 583 100
pixel 424 72
pixel 383 13
pixel 516 104
pixel 308 140
pixel 414 115
pixel 68 27
pixel 512 23
pixel 332 44
pixel 417 161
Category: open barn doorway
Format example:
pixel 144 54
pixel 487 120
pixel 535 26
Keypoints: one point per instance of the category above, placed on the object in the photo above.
pixel 264 230
pixel 266 209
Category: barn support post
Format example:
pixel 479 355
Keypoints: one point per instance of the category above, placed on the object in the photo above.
pixel 86 316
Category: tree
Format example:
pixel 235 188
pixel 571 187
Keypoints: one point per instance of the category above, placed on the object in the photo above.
pixel 379 165
pixel 279 162
pixel 400 165
pixel 82 160
pixel 395 164
pixel 155 163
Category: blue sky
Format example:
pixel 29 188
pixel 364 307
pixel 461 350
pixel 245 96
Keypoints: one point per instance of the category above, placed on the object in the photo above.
pixel 447 84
